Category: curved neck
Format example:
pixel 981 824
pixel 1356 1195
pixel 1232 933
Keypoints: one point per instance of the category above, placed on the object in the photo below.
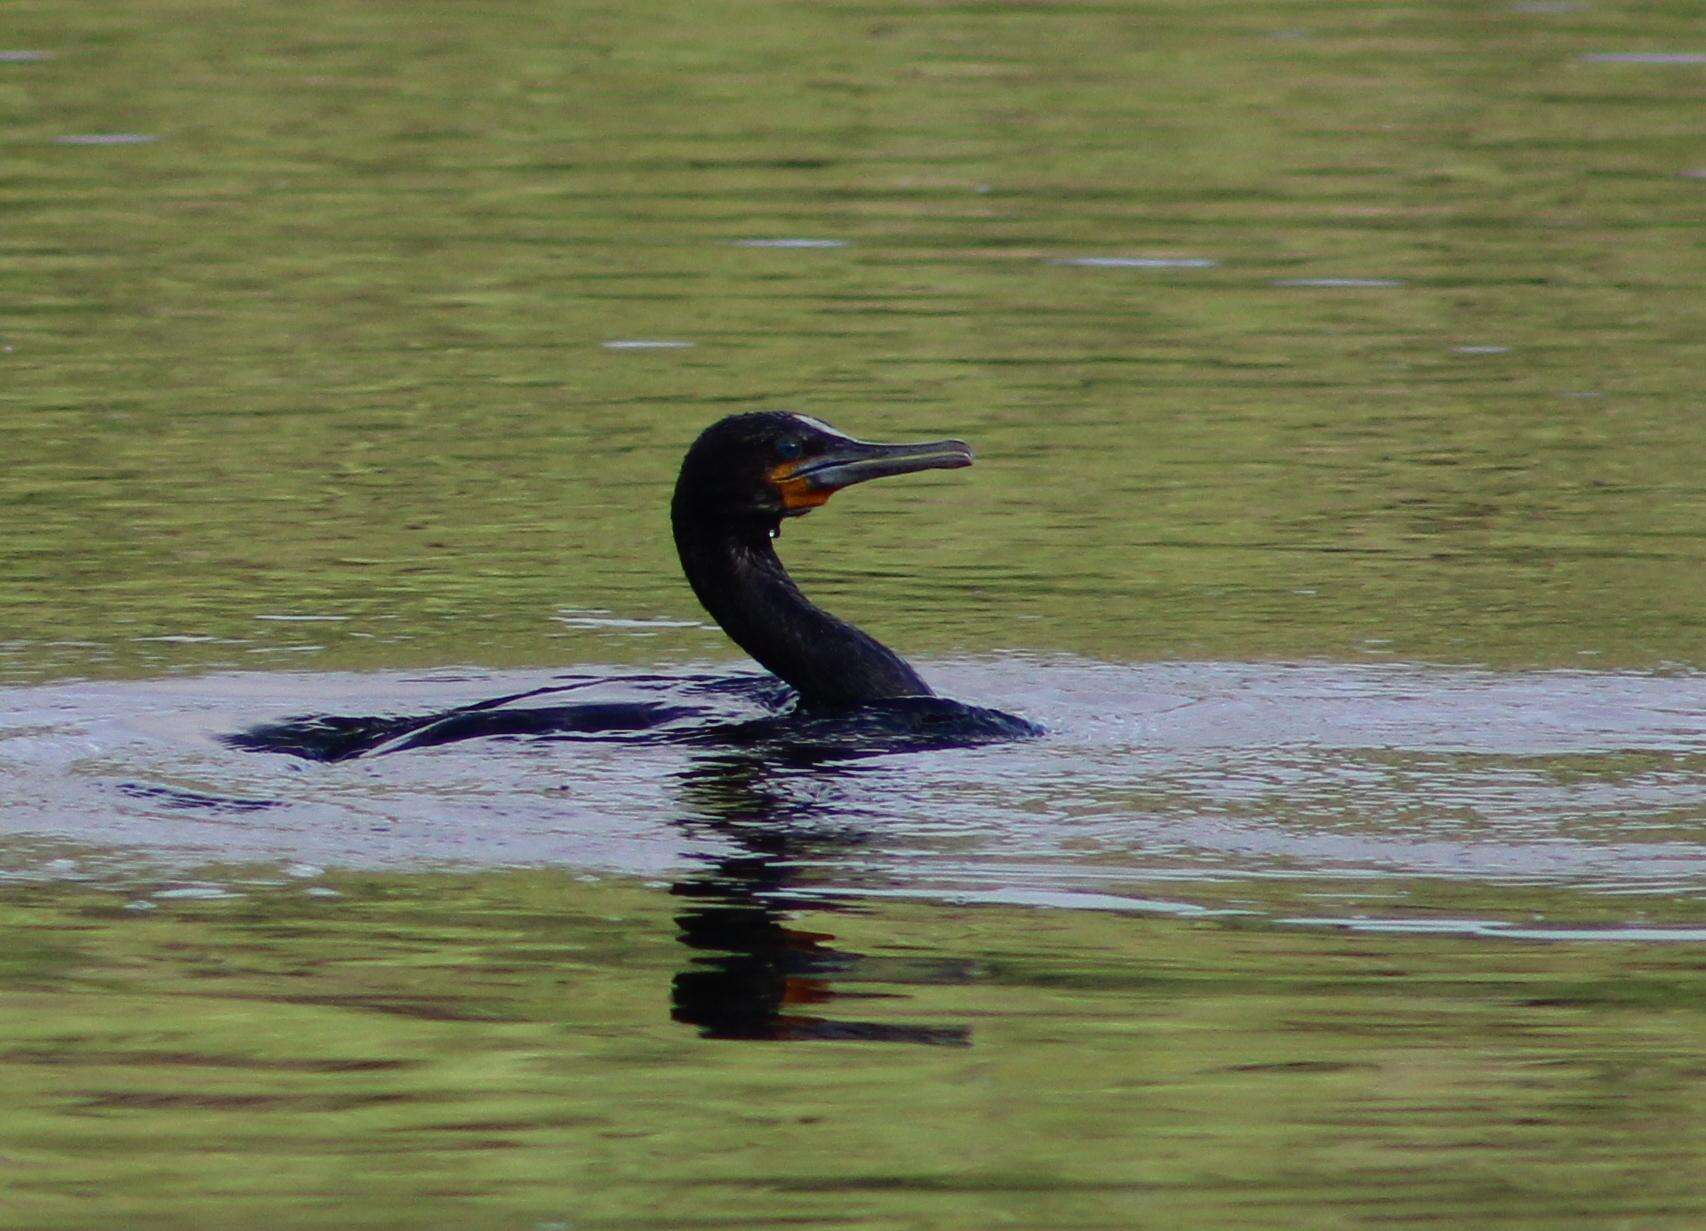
pixel 741 582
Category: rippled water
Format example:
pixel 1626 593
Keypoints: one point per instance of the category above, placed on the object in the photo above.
pixel 1334 376
pixel 1278 790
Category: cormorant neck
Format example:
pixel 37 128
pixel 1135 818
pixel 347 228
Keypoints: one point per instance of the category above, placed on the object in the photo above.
pixel 734 570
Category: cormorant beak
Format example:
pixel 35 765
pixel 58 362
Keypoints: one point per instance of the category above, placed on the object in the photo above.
pixel 806 484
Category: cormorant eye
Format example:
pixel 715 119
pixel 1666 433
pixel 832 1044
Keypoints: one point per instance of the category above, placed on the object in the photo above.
pixel 790 449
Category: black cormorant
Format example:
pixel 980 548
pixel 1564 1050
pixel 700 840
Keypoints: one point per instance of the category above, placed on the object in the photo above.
pixel 740 479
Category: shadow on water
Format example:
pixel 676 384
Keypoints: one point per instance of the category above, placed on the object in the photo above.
pixel 754 974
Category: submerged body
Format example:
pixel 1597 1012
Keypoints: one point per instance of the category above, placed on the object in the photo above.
pixel 740 479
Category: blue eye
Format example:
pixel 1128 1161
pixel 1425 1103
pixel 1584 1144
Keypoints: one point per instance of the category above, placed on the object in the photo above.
pixel 788 450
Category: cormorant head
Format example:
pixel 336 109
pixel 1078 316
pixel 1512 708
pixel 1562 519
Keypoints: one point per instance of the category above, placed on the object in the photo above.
pixel 769 465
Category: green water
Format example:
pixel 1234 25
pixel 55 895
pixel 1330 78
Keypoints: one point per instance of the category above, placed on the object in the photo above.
pixel 497 1051
pixel 333 344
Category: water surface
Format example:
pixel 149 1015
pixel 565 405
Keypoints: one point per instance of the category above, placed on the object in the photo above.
pixel 1334 375
pixel 1277 790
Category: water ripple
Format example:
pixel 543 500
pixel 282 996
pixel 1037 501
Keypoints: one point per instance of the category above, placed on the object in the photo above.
pixel 1201 786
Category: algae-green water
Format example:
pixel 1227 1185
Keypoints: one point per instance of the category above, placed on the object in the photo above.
pixel 499 1052
pixel 1334 374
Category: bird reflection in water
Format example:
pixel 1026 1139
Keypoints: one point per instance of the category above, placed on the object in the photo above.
pixel 756 975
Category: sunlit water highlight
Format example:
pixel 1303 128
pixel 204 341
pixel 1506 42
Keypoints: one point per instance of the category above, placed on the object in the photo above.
pixel 1325 791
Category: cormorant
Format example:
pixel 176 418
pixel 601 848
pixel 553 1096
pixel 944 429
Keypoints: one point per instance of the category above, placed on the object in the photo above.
pixel 740 479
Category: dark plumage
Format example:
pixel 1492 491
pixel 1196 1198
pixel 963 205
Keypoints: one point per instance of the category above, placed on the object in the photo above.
pixel 739 480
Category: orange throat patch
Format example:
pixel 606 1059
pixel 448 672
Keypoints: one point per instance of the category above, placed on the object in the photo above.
pixel 798 494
